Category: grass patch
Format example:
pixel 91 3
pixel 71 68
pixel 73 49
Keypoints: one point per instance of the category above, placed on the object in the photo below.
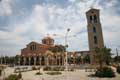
pixel 54 73
pixel 38 73
pixel 12 77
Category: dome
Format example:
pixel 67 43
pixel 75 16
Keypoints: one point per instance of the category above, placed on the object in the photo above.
pixel 48 40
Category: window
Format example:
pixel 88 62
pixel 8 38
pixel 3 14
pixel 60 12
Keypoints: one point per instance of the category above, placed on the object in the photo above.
pixel 33 47
pixel 95 18
pixel 30 47
pixel 94 29
pixel 90 18
pixel 95 40
pixel 44 41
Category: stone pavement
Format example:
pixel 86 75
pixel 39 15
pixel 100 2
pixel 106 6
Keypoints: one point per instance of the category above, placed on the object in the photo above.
pixel 75 75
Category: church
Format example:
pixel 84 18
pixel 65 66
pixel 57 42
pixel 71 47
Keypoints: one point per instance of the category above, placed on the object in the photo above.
pixel 39 54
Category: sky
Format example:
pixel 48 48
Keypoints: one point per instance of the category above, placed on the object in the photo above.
pixel 23 21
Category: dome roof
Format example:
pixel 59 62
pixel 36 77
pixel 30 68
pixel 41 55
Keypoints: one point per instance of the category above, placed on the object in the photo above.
pixel 48 40
pixel 47 37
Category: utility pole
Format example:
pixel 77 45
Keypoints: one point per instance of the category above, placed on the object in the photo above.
pixel 117 55
pixel 117 52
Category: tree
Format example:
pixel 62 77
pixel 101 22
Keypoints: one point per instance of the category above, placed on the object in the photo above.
pixel 70 60
pixel 78 59
pixel 117 59
pixel 57 48
pixel 102 55
pixel 16 59
pixel 87 58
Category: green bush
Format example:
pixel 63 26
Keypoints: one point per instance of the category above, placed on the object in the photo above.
pixel 12 77
pixel 54 73
pixel 19 75
pixel 58 68
pixel 38 73
pixel 118 69
pixel 34 68
pixel 72 69
pixel 105 72
pixel 47 68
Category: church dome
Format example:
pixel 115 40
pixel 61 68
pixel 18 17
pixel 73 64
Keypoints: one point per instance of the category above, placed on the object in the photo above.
pixel 48 40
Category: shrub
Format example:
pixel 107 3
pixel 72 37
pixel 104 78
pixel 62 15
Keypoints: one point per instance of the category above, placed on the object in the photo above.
pixel 72 69
pixel 58 68
pixel 47 68
pixel 38 73
pixel 12 77
pixel 19 75
pixel 105 72
pixel 118 69
pixel 54 73
pixel 34 68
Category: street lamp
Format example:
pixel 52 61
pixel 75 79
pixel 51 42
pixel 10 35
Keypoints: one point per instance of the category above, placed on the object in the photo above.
pixel 66 44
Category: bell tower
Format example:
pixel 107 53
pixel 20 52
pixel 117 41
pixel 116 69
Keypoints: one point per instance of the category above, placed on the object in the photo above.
pixel 95 36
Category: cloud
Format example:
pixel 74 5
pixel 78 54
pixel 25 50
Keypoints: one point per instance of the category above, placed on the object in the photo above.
pixel 51 19
pixel 6 7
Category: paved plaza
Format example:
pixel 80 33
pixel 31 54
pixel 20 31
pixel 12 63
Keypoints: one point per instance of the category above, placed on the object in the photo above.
pixel 71 75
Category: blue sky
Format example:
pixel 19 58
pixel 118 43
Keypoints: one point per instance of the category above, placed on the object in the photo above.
pixel 23 21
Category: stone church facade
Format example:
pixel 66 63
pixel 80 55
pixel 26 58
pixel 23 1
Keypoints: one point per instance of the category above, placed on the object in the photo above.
pixel 38 54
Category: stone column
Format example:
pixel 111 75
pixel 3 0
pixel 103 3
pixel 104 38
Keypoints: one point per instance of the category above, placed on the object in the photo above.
pixel 52 61
pixel 40 60
pixel 24 60
pixel 46 61
pixel 56 60
pixel 59 61
pixel 34 60
pixel 62 61
pixel 29 60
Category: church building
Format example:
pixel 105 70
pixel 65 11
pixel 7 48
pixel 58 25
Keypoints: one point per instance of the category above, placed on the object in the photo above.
pixel 39 54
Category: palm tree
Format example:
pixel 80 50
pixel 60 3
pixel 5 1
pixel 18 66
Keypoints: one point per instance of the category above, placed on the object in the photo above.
pixel 102 55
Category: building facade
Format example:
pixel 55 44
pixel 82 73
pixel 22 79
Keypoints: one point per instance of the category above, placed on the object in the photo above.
pixel 39 54
pixel 95 36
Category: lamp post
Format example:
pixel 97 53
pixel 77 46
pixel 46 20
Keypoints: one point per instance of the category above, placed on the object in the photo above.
pixel 66 45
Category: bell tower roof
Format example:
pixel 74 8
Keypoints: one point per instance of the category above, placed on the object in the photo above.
pixel 92 10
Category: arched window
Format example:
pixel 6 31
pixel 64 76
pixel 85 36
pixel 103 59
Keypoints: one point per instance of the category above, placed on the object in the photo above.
pixel 95 40
pixel 30 47
pixel 95 18
pixel 90 18
pixel 33 47
pixel 94 29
